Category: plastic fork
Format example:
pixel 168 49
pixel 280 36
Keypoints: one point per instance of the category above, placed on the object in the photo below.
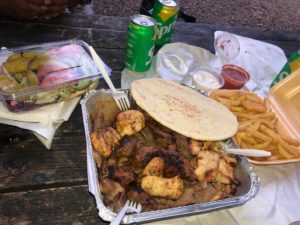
pixel 120 97
pixel 228 148
pixel 248 152
pixel 129 206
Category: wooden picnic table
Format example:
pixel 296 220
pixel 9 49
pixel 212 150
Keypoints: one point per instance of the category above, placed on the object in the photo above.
pixel 40 186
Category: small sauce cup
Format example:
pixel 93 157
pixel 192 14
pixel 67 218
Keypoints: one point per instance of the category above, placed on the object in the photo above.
pixel 234 76
pixel 206 79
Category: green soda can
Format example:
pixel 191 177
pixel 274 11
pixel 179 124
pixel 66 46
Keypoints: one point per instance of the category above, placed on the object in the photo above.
pixel 291 66
pixel 165 12
pixel 142 33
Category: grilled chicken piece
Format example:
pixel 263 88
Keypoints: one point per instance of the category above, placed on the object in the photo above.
pixel 207 165
pixel 130 122
pixel 105 140
pixel 113 192
pixel 226 171
pixel 169 188
pixel 197 146
pixel 155 167
pixel 125 177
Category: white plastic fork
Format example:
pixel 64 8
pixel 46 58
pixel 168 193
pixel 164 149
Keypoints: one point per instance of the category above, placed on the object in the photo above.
pixel 248 152
pixel 129 206
pixel 120 97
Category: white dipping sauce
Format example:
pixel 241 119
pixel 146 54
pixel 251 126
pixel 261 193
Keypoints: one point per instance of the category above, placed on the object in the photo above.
pixel 206 80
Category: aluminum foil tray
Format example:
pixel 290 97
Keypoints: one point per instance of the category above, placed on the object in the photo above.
pixel 103 102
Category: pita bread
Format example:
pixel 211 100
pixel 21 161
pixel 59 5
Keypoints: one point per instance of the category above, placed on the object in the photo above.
pixel 184 110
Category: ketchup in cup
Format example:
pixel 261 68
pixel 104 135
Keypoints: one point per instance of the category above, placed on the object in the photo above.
pixel 234 77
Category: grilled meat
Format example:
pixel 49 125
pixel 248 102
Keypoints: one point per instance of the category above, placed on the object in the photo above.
pixel 158 167
pixel 113 192
pixel 182 145
pixel 174 163
pixel 207 165
pixel 155 167
pixel 144 155
pixel 105 140
pixel 169 188
pixel 130 122
pixel 128 145
pixel 122 175
pixel 226 171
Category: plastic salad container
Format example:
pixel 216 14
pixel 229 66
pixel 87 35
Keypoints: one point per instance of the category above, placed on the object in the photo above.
pixel 38 75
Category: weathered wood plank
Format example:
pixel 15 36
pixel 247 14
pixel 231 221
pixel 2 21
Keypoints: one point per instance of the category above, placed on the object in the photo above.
pixel 27 163
pixel 120 23
pixel 18 34
pixel 70 205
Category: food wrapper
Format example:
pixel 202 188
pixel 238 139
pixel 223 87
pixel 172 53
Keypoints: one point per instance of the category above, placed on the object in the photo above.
pixel 43 121
pixel 261 60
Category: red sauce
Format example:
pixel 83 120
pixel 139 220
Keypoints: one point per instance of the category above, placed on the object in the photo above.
pixel 234 77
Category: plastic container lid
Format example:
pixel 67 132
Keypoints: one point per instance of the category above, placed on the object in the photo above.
pixel 37 75
pixel 227 46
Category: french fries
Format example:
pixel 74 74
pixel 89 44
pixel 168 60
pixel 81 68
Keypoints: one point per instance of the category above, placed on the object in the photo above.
pixel 257 124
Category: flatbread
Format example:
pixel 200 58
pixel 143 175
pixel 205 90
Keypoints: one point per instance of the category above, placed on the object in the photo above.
pixel 184 110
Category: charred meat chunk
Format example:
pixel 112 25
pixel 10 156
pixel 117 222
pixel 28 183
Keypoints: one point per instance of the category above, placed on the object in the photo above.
pixel 145 155
pixel 182 145
pixel 113 192
pixel 128 145
pixel 122 175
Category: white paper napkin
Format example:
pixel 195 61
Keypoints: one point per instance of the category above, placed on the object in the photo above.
pixel 43 121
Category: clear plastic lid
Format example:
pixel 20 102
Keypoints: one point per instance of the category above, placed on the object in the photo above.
pixel 38 68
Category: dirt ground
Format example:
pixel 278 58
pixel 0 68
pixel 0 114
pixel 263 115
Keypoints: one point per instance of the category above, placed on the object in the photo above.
pixel 266 14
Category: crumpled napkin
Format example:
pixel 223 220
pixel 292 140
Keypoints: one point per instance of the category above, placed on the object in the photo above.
pixel 43 121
